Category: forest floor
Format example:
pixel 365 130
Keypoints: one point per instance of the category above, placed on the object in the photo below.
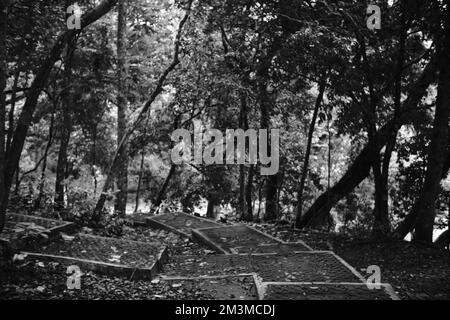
pixel 415 272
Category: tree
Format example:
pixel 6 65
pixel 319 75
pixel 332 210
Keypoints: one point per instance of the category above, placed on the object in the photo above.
pixel 3 74
pixel 122 167
pixel 424 208
pixel 66 128
pixel 322 87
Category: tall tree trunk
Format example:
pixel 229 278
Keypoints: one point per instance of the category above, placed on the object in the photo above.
pixel 360 169
pixel 299 210
pixel 37 203
pixel 243 124
pixel 242 212
pixel 21 65
pixel 381 226
pixel 173 167
pixel 249 193
pixel 141 173
pixel 448 231
pixel 18 178
pixel 94 160
pixel 62 162
pixel 270 213
pixel 66 130
pixel 260 197
pixel 425 206
pixel 329 165
pixel 3 76
pixel 210 212
pixel 122 164
pixel 162 191
pixel 12 109
pixel 280 183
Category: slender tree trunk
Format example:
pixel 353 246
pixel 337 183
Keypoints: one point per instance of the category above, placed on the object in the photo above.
pixel 299 211
pixel 3 76
pixel 280 183
pixel 17 182
pixel 381 226
pixel 141 173
pixel 162 192
pixel 265 107
pixel 425 206
pixel 122 166
pixel 210 209
pixel 243 124
pixel 38 201
pixel 241 199
pixel 94 160
pixel 448 230
pixel 173 167
pixel 18 178
pixel 20 66
pixel 260 197
pixel 249 193
pixel 329 166
pixel 62 161
pixel 66 130
pixel 12 109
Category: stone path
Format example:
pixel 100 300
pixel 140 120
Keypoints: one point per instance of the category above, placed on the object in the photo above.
pixel 311 266
pixel 180 223
pixel 243 239
pixel 249 265
pixel 282 271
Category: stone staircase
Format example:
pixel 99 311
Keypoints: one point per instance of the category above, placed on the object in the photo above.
pixel 249 264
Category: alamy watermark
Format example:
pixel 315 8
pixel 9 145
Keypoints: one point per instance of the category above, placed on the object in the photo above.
pixel 374 17
pixel 74 20
pixel 211 147
pixel 373 282
pixel 74 278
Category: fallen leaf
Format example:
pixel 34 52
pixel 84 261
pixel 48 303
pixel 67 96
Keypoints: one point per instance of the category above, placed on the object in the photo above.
pixel 67 237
